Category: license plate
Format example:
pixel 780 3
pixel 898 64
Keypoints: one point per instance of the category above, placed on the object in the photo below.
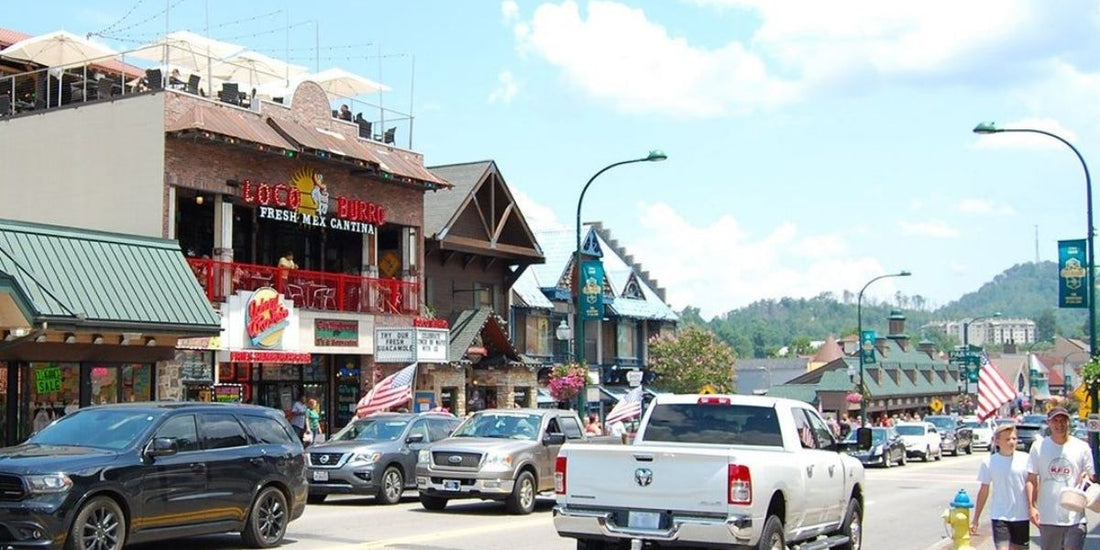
pixel 644 520
pixel 320 476
pixel 450 484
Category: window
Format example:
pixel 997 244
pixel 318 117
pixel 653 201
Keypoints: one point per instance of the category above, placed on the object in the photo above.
pixel 221 431
pixel 718 424
pixel 441 428
pixel 269 430
pixel 552 427
pixel 571 428
pixel 484 296
pixel 626 339
pixel 821 431
pixel 539 337
pixel 803 429
pixel 419 427
pixel 182 429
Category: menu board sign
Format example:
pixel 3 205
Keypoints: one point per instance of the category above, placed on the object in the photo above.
pixel 227 393
pixel 431 345
pixel 407 345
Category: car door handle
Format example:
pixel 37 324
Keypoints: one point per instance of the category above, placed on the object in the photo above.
pixel 198 467
pixel 810 470
pixel 832 468
pixel 256 461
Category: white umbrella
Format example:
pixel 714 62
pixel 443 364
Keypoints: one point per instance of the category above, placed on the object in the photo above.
pixel 188 50
pixel 338 82
pixel 256 69
pixel 57 49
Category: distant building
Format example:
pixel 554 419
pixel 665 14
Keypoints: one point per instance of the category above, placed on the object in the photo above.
pixel 995 330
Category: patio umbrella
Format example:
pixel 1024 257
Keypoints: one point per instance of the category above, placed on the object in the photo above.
pixel 338 82
pixel 57 49
pixel 188 50
pixel 256 69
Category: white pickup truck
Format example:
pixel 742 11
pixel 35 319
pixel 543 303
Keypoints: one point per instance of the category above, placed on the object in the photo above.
pixel 716 471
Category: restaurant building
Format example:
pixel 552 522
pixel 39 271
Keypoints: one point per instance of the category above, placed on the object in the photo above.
pixel 242 188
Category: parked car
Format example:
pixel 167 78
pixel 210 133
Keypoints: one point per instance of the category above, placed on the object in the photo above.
pixel 957 438
pixel 1026 434
pixel 496 454
pixel 104 477
pixel 1037 419
pixel 887 448
pixel 981 432
pixel 375 455
pixel 921 439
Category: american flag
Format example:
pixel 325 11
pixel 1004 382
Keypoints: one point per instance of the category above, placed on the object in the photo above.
pixel 628 407
pixel 393 390
pixel 993 390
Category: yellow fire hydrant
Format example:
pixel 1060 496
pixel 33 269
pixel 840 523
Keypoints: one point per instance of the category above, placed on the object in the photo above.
pixel 957 520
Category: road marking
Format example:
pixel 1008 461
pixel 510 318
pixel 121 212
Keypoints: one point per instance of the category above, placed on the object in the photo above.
pixel 449 534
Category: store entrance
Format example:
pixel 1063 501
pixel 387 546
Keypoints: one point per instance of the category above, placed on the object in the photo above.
pixel 278 395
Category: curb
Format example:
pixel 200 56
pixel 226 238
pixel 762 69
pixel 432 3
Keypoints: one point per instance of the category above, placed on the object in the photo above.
pixel 976 541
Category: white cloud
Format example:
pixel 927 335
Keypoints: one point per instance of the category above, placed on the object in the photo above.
pixel 539 217
pixel 1026 140
pixel 932 228
pixel 506 89
pixel 509 10
pixel 720 266
pixel 983 207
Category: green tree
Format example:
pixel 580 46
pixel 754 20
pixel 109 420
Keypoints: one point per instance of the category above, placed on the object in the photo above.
pixel 686 362
pixel 799 346
pixel 1046 326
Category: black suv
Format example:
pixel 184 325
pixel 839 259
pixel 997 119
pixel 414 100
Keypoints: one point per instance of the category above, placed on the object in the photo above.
pixel 957 438
pixel 107 476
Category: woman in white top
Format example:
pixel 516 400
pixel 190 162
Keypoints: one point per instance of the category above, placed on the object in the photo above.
pixel 1006 472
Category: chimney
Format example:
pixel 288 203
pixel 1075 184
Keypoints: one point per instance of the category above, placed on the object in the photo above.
pixel 897 329
pixel 927 346
pixel 880 345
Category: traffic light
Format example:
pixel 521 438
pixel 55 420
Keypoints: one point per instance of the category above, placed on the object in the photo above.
pixel 972 373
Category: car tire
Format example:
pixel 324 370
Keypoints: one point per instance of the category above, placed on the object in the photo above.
pixel 434 504
pixel 522 500
pixel 267 520
pixel 98 525
pixel 939 453
pixel 927 454
pixel 852 526
pixel 970 448
pixel 886 459
pixel 904 458
pixel 771 537
pixel 392 486
pixel 955 451
pixel 315 499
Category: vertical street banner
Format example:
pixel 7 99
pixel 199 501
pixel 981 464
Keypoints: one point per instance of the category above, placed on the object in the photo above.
pixel 1073 291
pixel 591 290
pixel 867 346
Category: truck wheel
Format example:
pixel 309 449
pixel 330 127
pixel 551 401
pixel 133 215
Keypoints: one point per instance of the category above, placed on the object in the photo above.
pixel 522 500
pixel 852 526
pixel 99 525
pixel 393 485
pixel 434 504
pixel 266 523
pixel 771 538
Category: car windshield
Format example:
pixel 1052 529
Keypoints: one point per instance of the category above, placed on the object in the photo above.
pixel 973 424
pixel 113 429
pixel 372 429
pixel 1030 431
pixel 941 422
pixel 910 430
pixel 501 426
pixel 1035 419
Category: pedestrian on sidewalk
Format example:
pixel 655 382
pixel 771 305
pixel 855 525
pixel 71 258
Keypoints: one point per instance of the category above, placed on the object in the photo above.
pixel 1005 474
pixel 1057 462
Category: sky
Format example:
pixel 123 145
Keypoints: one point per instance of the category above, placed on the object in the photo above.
pixel 812 146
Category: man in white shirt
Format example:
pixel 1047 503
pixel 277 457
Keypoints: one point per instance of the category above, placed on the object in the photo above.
pixel 298 416
pixel 1004 475
pixel 1057 462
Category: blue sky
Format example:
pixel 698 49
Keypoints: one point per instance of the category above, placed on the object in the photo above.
pixel 812 145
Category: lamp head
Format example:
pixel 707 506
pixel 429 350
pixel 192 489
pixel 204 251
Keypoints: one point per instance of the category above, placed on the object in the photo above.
pixel 986 128
pixel 656 155
pixel 904 273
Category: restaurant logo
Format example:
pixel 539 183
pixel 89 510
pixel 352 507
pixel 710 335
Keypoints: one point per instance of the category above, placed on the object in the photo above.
pixel 306 200
pixel 265 318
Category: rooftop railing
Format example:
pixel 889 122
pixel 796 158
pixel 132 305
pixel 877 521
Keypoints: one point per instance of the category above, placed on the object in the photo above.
pixel 317 290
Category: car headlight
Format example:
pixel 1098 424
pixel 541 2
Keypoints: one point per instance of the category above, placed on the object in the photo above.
pixel 48 483
pixel 877 450
pixel 424 456
pixel 498 461
pixel 949 436
pixel 365 458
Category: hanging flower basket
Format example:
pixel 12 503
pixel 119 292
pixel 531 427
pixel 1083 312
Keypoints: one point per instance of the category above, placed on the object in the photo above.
pixel 853 397
pixel 566 381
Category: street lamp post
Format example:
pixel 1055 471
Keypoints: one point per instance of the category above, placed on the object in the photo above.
pixel 578 324
pixel 991 128
pixel 859 329
pixel 966 341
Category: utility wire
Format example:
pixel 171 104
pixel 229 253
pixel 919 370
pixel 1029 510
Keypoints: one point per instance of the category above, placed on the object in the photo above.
pixel 118 22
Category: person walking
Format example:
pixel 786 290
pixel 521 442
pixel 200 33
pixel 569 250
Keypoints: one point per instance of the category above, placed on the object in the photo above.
pixel 298 416
pixel 1055 463
pixel 313 421
pixel 1004 474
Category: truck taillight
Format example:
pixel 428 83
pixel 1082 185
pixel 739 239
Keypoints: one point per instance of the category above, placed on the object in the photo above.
pixel 559 475
pixel 713 400
pixel 740 484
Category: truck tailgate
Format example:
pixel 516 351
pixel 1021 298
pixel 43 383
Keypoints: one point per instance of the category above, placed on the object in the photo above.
pixel 635 477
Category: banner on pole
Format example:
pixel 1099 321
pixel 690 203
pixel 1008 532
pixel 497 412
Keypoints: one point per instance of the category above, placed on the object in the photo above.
pixel 1073 291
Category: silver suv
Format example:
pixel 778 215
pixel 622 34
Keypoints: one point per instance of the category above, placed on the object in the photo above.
pixel 375 455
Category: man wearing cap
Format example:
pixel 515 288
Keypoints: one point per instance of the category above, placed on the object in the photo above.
pixel 1004 475
pixel 1057 462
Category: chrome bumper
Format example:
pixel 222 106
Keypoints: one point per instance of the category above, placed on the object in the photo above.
pixel 487 488
pixel 600 524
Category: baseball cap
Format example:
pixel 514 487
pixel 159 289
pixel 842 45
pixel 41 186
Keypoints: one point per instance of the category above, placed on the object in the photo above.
pixel 1057 411
pixel 1003 427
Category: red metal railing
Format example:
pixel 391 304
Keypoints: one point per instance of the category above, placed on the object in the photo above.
pixel 308 289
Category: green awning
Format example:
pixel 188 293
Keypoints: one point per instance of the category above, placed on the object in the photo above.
pixel 80 278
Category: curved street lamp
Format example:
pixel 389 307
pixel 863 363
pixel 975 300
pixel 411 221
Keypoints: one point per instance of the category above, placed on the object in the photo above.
pixel 991 128
pixel 859 329
pixel 655 155
pixel 966 340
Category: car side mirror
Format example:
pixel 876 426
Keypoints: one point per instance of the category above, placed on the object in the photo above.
pixel 863 438
pixel 553 439
pixel 163 446
pixel 415 438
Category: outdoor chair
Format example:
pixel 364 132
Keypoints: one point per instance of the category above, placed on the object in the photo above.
pixel 230 93
pixel 388 137
pixel 5 105
pixel 364 126
pixel 154 79
pixel 193 84
pixel 104 88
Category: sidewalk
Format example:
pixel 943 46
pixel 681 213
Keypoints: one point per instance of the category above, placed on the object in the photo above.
pixel 984 541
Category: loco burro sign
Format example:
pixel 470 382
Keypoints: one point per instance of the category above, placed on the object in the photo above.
pixel 411 344
pixel 305 200
pixel 1073 291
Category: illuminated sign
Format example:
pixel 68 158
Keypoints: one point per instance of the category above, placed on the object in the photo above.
pixel 265 318
pixel 257 356
pixel 306 200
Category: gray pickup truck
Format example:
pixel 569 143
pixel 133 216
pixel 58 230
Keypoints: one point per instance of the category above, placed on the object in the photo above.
pixel 496 454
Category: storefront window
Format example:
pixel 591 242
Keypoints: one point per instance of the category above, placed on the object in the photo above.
pixel 51 387
pixel 104 385
pixel 522 397
pixel 481 397
pixel 627 338
pixel 538 335
pixel 135 381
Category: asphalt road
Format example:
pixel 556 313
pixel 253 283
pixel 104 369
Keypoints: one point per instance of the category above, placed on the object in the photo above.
pixel 904 505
